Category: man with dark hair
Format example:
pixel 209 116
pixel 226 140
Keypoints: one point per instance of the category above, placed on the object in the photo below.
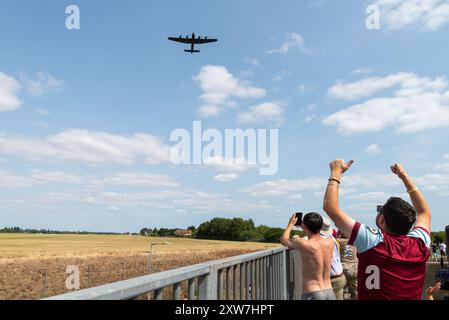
pixel 392 257
pixel 316 254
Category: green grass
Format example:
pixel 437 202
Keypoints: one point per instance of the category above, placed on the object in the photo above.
pixel 45 245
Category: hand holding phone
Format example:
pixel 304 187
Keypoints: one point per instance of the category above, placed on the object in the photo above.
pixel 299 217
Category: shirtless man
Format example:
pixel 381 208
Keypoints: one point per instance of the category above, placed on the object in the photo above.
pixel 316 255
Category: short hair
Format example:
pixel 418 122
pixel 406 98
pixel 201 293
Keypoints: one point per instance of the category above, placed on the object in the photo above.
pixel 314 222
pixel 400 216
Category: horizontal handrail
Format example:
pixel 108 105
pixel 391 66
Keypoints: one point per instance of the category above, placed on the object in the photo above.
pixel 131 288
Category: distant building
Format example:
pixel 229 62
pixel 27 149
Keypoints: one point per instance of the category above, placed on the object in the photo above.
pixel 183 233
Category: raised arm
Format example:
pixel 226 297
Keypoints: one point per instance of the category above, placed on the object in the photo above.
pixel 419 202
pixel 285 240
pixel 330 204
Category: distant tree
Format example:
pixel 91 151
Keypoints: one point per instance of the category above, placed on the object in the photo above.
pixel 438 237
pixel 191 228
pixel 236 229
pixel 251 235
pixel 273 235
pixel 144 232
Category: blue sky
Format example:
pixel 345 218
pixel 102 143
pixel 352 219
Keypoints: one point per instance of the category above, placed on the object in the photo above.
pixel 86 115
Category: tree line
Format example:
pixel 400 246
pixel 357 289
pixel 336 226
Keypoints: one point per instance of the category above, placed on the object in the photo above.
pixel 236 229
pixel 47 231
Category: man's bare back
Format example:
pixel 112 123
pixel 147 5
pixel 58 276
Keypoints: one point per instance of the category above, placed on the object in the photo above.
pixel 316 255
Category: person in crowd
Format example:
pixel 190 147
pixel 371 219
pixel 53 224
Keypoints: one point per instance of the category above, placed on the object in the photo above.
pixel 434 249
pixel 338 279
pixel 432 290
pixel 392 257
pixel 348 256
pixel 316 254
pixel 443 250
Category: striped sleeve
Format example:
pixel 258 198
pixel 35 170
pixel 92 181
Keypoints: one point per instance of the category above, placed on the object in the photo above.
pixel 421 233
pixel 364 237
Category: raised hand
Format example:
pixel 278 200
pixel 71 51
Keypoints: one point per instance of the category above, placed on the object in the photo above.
pixel 340 166
pixel 399 170
pixel 436 288
pixel 293 220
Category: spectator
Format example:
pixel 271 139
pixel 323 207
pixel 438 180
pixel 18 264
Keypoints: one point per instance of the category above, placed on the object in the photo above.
pixel 338 279
pixel 348 256
pixel 392 257
pixel 443 249
pixel 316 254
pixel 434 251
pixel 431 290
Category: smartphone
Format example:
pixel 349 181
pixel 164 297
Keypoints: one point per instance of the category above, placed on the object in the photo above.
pixel 299 217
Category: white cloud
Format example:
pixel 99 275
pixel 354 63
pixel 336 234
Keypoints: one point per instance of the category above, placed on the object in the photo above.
pixel 136 179
pixel 426 15
pixel 9 89
pixel 434 182
pixel 226 177
pixel 371 180
pixel 372 197
pixel 55 176
pixel 88 182
pixel 418 104
pixel 219 87
pixel 304 89
pixel 284 187
pixel 187 200
pixel 373 149
pixel 443 166
pixel 317 3
pixel 283 74
pixel 88 147
pixel 229 165
pixel 310 118
pixel 8 180
pixel 253 61
pixel 266 112
pixel 409 83
pixel 293 40
pixel 42 112
pixel 295 197
pixel 42 84
pixel 362 70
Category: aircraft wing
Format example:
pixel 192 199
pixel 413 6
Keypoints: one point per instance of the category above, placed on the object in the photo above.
pixel 181 40
pixel 203 41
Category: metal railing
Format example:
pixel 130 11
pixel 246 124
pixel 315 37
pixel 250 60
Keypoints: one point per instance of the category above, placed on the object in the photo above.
pixel 265 275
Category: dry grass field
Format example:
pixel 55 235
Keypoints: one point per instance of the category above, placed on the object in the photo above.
pixel 34 266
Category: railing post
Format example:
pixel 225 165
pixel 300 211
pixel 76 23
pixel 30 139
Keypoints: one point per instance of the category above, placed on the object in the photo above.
pixel 236 282
pixel 270 278
pixel 242 281
pixel 284 267
pixel 289 274
pixel 191 289
pixel 208 285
